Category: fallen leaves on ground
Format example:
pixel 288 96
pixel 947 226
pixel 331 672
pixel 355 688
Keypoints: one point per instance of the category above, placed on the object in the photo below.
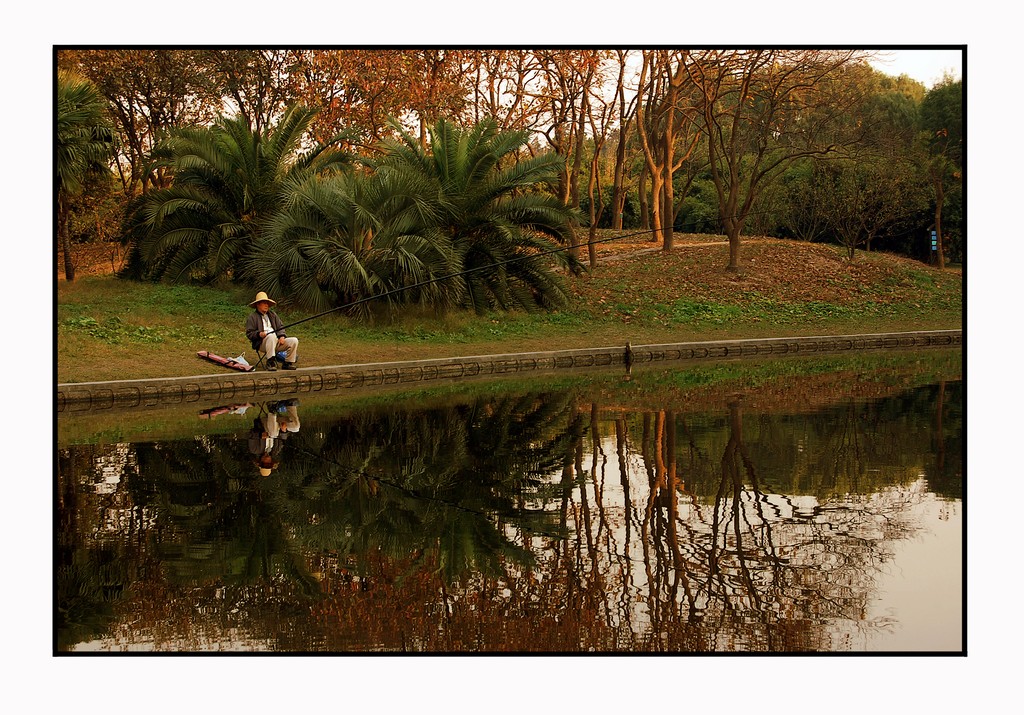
pixel 774 269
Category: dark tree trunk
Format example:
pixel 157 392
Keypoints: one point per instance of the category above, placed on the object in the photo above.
pixel 645 216
pixel 732 231
pixel 65 239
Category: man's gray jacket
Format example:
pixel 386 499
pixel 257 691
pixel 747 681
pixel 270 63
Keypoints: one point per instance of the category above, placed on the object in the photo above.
pixel 254 324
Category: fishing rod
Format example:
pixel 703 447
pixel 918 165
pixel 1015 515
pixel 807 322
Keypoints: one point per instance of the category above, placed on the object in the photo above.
pixel 465 272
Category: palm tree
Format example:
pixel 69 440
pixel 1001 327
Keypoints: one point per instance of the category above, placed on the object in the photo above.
pixel 492 209
pixel 344 238
pixel 228 182
pixel 84 143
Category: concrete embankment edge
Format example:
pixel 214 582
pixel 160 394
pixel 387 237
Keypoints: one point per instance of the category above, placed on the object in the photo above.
pixel 87 396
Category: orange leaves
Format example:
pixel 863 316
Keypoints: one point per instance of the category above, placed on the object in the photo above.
pixel 361 88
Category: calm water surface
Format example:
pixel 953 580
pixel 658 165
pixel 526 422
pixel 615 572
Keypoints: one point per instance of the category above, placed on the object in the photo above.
pixel 816 513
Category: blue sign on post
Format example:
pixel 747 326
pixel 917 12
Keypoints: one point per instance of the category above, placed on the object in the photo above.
pixel 935 242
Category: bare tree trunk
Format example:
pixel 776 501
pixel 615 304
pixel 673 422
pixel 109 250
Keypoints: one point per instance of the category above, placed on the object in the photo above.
pixel 645 214
pixel 732 232
pixel 734 255
pixel 618 202
pixel 668 202
pixel 596 206
pixel 574 178
pixel 668 139
pixel 657 196
pixel 940 198
pixel 581 135
pixel 618 190
pixel 65 238
pixel 648 117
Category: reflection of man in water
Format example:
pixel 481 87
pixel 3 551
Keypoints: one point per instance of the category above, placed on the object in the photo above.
pixel 266 438
pixel 287 421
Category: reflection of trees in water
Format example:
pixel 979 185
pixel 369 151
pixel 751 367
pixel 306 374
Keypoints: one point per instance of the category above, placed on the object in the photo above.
pixel 758 569
pixel 447 485
pixel 524 523
pixel 99 549
pixel 663 570
pixel 188 533
pixel 436 492
pixel 647 563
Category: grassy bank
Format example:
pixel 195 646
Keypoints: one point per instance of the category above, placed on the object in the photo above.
pixel 114 329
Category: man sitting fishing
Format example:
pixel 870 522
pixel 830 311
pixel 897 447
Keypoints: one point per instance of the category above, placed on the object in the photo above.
pixel 266 333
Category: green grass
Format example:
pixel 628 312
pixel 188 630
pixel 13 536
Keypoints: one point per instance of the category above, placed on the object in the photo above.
pixel 108 328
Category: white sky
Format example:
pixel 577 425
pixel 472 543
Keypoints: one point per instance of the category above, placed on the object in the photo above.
pixel 926 66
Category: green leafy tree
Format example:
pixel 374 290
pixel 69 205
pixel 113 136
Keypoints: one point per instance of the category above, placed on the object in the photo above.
pixel 805 190
pixel 865 200
pixel 942 121
pixel 229 180
pixel 84 144
pixel 874 190
pixel 490 204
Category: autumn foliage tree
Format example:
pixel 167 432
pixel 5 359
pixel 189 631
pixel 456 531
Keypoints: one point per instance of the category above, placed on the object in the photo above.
pixel 148 93
pixel 726 139
pixel 253 81
pixel 666 117
pixel 360 90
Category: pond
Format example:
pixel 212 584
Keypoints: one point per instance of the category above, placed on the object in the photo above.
pixel 803 505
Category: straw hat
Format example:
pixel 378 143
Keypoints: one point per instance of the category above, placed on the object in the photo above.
pixel 266 465
pixel 260 297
